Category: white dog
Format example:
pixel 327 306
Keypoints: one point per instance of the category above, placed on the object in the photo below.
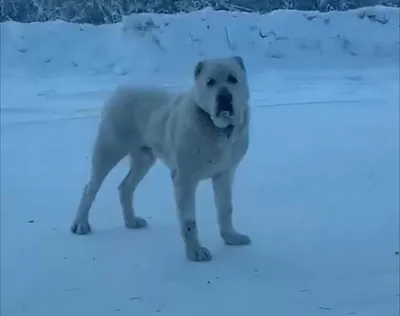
pixel 200 134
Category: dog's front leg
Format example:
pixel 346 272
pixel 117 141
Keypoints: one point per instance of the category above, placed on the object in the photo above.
pixel 185 192
pixel 222 186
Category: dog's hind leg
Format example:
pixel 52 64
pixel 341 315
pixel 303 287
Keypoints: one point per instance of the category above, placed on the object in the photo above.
pixel 141 162
pixel 104 160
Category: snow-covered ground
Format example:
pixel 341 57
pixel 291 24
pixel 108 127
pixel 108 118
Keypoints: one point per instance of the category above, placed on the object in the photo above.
pixel 318 191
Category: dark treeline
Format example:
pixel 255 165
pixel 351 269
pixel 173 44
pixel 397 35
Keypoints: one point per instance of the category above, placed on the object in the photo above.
pixel 111 11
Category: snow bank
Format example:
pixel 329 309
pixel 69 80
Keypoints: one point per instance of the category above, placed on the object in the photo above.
pixel 155 42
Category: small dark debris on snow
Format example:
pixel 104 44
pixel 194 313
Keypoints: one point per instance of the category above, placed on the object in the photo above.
pixel 208 282
pixel 134 298
pixel 305 290
pixel 31 221
pixel 158 310
pixel 325 308
pixel 255 270
pixel 217 278
pixel 117 310
pixel 93 259
pixel 397 253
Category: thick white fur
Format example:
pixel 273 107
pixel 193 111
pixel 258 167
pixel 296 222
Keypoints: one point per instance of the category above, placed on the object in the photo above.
pixel 186 133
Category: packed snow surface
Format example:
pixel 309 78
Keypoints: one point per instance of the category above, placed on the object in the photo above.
pixel 318 191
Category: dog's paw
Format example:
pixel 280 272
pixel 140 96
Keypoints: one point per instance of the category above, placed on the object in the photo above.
pixel 198 254
pixel 136 223
pixel 80 227
pixel 235 239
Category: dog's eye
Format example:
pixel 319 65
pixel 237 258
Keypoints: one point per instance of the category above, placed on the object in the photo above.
pixel 232 79
pixel 211 82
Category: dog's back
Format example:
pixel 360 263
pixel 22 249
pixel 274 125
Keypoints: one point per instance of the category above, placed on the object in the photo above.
pixel 132 106
pixel 127 112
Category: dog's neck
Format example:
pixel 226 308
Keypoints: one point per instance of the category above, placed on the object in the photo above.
pixel 205 119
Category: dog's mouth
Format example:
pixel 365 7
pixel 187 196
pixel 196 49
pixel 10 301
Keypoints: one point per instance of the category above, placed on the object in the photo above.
pixel 223 122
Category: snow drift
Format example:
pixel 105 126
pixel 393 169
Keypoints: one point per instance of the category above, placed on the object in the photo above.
pixel 151 42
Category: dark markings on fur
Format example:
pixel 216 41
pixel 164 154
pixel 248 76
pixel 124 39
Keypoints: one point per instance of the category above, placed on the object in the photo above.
pixel 174 173
pixel 145 149
pixel 229 130
pixel 198 68
pixel 240 61
pixel 121 185
pixel 190 229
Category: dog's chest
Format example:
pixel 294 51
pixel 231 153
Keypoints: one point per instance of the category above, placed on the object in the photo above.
pixel 210 159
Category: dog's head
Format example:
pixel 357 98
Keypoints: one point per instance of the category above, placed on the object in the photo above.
pixel 221 90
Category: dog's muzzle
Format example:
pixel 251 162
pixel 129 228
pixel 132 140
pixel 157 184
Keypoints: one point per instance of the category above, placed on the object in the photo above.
pixel 224 103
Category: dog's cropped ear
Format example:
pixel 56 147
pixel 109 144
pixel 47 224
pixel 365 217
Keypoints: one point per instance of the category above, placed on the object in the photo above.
pixel 198 68
pixel 240 61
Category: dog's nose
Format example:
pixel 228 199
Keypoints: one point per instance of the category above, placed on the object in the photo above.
pixel 224 102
